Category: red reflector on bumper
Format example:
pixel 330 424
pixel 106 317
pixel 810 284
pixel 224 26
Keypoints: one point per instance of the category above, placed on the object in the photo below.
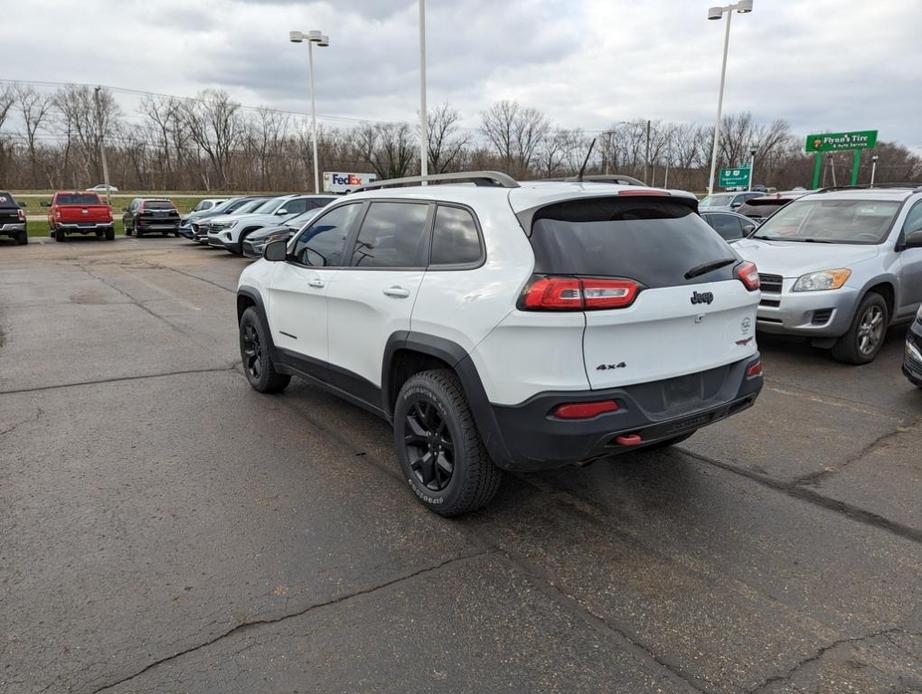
pixel 585 410
pixel 754 370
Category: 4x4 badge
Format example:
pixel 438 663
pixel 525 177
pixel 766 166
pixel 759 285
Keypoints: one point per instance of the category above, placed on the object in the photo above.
pixel 606 367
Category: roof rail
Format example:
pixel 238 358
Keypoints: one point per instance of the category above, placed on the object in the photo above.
pixel 478 178
pixel 621 179
pixel 866 186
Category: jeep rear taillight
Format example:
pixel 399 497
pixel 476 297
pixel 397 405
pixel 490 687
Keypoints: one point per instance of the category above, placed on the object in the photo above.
pixel 578 293
pixel 748 274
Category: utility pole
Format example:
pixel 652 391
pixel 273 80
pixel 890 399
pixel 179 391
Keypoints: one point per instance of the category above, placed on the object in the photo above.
pixel 102 144
pixel 646 160
pixel 423 111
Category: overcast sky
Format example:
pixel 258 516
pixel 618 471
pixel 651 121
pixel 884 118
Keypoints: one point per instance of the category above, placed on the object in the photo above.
pixel 823 65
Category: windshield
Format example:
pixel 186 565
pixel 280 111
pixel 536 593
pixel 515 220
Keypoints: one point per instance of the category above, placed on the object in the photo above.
pixel 831 221
pixel 250 206
pixel 717 200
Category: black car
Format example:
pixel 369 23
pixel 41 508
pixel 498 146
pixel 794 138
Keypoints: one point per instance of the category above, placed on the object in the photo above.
pixel 12 219
pixel 149 215
pixel 912 361
pixel 761 208
pixel 730 225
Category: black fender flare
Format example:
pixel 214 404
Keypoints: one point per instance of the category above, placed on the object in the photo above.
pixel 460 361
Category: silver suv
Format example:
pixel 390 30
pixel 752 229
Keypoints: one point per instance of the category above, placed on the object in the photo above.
pixel 840 266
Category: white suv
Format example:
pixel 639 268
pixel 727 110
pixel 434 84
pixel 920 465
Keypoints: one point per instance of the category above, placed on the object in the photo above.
pixel 230 231
pixel 507 326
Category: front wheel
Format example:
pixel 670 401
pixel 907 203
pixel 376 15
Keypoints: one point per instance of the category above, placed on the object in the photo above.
pixel 440 450
pixel 254 352
pixel 866 335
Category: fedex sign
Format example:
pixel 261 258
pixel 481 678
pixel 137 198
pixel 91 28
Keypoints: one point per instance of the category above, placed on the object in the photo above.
pixel 336 182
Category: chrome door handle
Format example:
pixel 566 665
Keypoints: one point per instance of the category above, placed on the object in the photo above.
pixel 397 292
pixel 316 283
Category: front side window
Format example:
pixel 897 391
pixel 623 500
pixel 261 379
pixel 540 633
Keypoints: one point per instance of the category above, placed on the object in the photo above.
pixel 296 206
pixel 454 237
pixel 322 243
pixel 393 235
pixel 913 219
pixel 831 221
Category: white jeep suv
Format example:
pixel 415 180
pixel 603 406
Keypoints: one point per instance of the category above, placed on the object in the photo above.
pixel 506 326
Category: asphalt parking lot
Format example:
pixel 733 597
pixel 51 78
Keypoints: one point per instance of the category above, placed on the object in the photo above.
pixel 165 528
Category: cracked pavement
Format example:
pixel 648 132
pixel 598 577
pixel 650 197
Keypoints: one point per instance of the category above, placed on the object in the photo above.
pixel 163 528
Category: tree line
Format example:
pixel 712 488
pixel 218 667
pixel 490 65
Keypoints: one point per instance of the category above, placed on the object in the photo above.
pixel 210 142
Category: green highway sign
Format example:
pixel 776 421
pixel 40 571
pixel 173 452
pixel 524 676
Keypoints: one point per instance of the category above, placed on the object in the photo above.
pixel 732 178
pixel 834 142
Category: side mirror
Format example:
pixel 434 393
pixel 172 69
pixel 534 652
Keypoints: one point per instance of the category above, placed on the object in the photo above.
pixel 748 229
pixel 276 251
pixel 734 205
pixel 281 212
pixel 913 239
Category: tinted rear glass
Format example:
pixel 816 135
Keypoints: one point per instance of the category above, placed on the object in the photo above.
pixel 392 235
pixel 761 209
pixel 79 199
pixel 455 240
pixel 6 200
pixel 653 241
pixel 158 205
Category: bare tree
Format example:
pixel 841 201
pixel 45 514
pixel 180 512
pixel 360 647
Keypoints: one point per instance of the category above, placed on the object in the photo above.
pixel 214 125
pixel 515 133
pixel 34 109
pixel 394 150
pixel 446 140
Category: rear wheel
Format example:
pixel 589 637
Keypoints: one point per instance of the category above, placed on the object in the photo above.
pixel 22 238
pixel 440 450
pixel 110 234
pixel 866 335
pixel 254 352
pixel 138 233
pixel 59 235
pixel 127 229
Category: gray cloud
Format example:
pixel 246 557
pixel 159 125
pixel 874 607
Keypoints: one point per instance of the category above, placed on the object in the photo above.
pixel 836 64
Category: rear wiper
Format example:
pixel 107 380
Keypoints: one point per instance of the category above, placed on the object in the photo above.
pixel 708 267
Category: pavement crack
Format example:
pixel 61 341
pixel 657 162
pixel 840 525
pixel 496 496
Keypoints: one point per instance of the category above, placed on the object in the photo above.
pixel 119 379
pixel 34 418
pixel 814 478
pixel 256 623
pixel 798 491
pixel 823 650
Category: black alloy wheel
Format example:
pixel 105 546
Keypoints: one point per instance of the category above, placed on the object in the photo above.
pixel 429 448
pixel 252 351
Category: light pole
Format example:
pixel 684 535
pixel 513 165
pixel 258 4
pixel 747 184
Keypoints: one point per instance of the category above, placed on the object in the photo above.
pixel 743 7
pixel 423 112
pixel 322 40
pixel 873 168
pixel 752 166
pixel 102 144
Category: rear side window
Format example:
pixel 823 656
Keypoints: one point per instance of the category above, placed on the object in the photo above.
pixel 322 243
pixel 393 235
pixel 653 241
pixel 726 225
pixel 79 199
pixel 455 240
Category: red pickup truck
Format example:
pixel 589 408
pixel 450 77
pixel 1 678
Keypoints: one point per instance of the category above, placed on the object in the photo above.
pixel 79 213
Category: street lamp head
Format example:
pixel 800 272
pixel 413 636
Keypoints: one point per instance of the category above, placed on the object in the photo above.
pixel 295 36
pixel 744 6
pixel 874 158
pixel 324 41
pixel 715 12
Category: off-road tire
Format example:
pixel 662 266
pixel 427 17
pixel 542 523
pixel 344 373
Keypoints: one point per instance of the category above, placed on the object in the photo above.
pixel 258 368
pixel 848 348
pixel 475 478
pixel 59 235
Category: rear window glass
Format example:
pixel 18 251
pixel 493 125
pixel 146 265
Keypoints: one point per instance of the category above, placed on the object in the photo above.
pixel 6 200
pixel 158 205
pixel 454 237
pixel 654 242
pixel 393 235
pixel 760 209
pixel 79 199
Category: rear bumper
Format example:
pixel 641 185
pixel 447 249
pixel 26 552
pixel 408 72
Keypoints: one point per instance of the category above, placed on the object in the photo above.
pixel 531 438
pixel 12 228
pixel 84 226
